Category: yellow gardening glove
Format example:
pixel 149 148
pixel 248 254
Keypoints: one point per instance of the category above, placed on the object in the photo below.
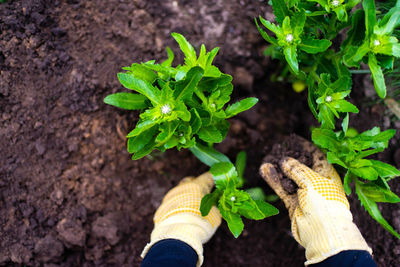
pixel 179 217
pixel 321 219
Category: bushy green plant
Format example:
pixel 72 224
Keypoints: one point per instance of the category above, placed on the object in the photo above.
pixel 324 42
pixel 186 107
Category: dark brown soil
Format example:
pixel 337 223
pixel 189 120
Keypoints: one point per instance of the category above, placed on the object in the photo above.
pixel 289 147
pixel 69 193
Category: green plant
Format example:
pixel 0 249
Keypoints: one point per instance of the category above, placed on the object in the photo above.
pixel 349 150
pixel 324 43
pixel 185 107
pixel 231 201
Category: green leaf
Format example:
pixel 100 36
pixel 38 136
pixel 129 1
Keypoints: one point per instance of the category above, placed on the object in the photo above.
pixel 195 120
pixel 210 134
pixel 172 142
pixel 266 208
pixel 385 170
pixel 130 144
pixel 147 149
pixel 131 82
pixel 390 21
pixel 211 56
pixel 256 193
pixel 345 124
pixel 377 76
pixel 137 143
pixel 298 21
pixel 184 89
pixel 127 101
pixel 259 210
pixel 170 59
pixel 386 62
pixel 356 34
pixel 182 112
pixel 286 26
pixel 265 35
pixel 223 127
pixel 240 163
pixel 332 158
pixel 358 163
pixel 341 13
pixel 346 183
pixel 167 130
pixel 270 26
pixel 352 3
pixel 325 116
pixel 325 138
pixel 373 210
pixel 280 10
pixel 235 223
pixel 142 72
pixel 291 58
pixel 223 172
pixel 208 201
pixel 314 46
pixel 141 127
pixel 343 75
pixel 368 172
pixel 240 106
pixel 208 155
pixel 164 72
pixel 344 106
pixel 187 49
pixel 379 194
pixel 354 55
pixel 310 96
pixel 381 136
pixel 370 16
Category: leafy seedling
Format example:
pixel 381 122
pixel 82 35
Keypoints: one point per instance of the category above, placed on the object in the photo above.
pixel 370 176
pixel 187 107
pixel 231 201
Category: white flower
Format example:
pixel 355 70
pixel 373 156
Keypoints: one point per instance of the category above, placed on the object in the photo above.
pixel 233 198
pixel 213 105
pixel 335 3
pixel 328 98
pixel 376 42
pixel 289 38
pixel 165 109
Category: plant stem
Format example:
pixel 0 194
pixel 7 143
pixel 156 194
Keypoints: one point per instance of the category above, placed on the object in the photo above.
pixel 360 71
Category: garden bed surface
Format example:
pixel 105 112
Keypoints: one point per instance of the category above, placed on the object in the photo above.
pixel 69 193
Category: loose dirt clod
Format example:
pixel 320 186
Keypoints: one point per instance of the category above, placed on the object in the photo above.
pixel 290 147
pixel 71 232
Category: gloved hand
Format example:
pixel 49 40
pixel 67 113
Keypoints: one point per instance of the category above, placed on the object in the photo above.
pixel 179 217
pixel 321 219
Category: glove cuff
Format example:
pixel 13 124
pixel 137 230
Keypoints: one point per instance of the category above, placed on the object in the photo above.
pixel 188 228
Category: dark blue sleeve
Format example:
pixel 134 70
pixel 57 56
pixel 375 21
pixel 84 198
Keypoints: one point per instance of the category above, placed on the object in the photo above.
pixel 170 253
pixel 348 258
